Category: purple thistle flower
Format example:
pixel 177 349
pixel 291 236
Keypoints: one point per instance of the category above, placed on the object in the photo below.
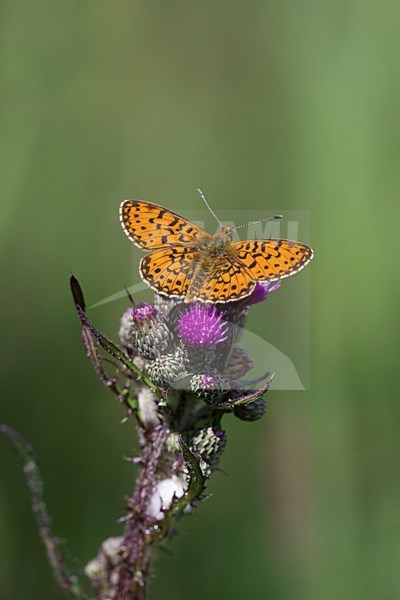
pixel 143 313
pixel 261 291
pixel 202 327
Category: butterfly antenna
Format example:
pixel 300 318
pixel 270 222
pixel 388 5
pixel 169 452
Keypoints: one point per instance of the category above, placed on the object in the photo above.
pixel 202 196
pixel 274 218
pixel 130 296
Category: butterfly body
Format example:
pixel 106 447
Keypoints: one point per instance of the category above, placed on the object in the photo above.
pixel 210 252
pixel 189 264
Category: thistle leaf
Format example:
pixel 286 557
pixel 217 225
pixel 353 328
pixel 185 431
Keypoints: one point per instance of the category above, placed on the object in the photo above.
pixel 246 399
pixel 104 342
pixel 196 479
pixel 77 292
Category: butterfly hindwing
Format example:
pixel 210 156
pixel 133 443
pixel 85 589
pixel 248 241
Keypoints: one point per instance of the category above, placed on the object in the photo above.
pixel 228 282
pixel 169 271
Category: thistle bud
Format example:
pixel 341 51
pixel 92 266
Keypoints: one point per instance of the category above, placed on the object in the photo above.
pixel 164 370
pixel 207 387
pixel 209 443
pixel 150 335
pixel 252 411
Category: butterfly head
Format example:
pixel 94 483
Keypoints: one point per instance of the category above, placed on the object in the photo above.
pixel 215 245
pixel 226 233
pixel 222 238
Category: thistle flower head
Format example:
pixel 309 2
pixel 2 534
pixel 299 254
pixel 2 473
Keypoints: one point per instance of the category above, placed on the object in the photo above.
pixel 202 327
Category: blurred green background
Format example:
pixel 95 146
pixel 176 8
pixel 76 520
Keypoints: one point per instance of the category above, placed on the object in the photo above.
pixel 289 105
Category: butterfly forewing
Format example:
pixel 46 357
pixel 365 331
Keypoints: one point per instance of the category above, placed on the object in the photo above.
pixel 268 260
pixel 151 226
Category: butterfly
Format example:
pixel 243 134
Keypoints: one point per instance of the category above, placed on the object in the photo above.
pixel 187 263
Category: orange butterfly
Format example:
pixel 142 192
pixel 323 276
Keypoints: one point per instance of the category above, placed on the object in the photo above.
pixel 188 263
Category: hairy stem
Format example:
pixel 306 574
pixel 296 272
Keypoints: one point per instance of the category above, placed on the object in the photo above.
pixel 140 537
